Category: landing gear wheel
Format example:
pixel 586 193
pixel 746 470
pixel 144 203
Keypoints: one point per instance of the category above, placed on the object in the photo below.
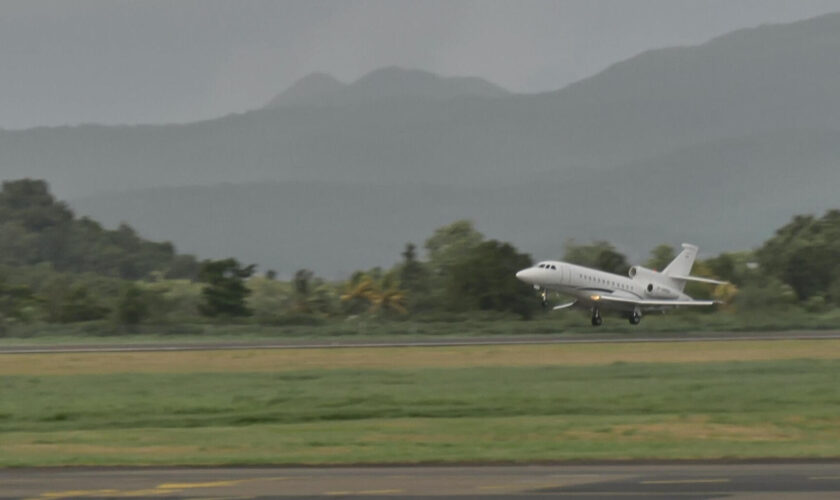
pixel 544 299
pixel 596 318
pixel 635 317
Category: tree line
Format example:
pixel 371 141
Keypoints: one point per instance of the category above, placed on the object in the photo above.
pixel 58 268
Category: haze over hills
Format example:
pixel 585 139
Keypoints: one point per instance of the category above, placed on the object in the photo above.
pixel 717 144
pixel 718 196
pixel 386 84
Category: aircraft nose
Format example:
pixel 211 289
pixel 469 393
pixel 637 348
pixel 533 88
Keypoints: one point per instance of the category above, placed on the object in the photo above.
pixel 525 275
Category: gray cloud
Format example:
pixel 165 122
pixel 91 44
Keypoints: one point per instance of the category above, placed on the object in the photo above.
pixel 108 61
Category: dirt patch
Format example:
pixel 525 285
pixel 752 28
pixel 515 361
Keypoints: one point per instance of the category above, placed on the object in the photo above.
pixel 691 429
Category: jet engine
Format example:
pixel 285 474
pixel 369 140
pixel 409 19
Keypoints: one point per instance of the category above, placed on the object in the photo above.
pixel 654 288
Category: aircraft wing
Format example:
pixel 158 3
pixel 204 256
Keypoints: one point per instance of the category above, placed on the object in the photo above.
pixel 657 303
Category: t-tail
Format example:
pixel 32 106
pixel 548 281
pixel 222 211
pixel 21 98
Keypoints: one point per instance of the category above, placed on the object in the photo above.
pixel 679 270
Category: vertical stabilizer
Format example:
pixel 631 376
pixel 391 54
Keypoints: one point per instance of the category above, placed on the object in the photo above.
pixel 681 266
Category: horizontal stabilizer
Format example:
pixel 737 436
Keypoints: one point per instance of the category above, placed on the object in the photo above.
pixel 699 280
pixel 564 306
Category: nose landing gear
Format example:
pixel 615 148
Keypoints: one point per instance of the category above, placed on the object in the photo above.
pixel 544 299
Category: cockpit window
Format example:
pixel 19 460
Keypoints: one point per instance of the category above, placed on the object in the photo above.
pixel 552 266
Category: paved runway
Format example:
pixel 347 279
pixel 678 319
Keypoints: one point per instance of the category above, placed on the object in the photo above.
pixel 333 343
pixel 679 481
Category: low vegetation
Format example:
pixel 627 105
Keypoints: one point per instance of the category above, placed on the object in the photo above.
pixel 512 403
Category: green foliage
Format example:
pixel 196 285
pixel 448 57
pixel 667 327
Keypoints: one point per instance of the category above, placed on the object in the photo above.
pixel 599 255
pixel 414 277
pixel 834 292
pixel 485 279
pixel 134 306
pixel 35 228
pixel 17 303
pixel 766 293
pixel 63 269
pixel 172 301
pixel 731 267
pixel 311 295
pixel 805 254
pixel 660 257
pixel 225 292
pixel 449 244
pixel 269 299
pixel 76 304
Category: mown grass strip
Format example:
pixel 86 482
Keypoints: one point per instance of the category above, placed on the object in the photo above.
pixel 519 413
pixel 474 439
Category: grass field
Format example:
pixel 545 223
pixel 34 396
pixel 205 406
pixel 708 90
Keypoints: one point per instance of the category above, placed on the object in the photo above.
pixel 467 325
pixel 477 403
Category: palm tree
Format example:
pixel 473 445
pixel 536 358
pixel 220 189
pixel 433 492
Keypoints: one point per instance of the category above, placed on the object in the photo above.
pixel 390 299
pixel 363 292
pixel 359 292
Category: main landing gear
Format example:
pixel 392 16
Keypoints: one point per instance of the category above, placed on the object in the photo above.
pixel 635 317
pixel 596 317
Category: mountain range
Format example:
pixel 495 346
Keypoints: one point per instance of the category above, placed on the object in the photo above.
pixel 717 144
pixel 382 85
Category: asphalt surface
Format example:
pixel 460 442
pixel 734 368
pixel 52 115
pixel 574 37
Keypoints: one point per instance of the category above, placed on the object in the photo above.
pixel 678 481
pixel 332 343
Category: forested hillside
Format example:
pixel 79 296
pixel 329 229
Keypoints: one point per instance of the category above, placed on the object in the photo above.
pixel 35 229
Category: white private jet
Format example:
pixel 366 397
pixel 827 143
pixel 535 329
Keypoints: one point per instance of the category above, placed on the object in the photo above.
pixel 645 290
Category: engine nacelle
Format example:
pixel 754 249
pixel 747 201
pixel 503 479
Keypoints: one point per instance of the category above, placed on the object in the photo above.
pixel 654 288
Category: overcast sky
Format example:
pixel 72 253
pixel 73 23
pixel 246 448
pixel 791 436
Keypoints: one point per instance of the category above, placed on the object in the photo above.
pixel 107 61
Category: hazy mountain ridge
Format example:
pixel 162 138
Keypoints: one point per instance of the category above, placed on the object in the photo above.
pixel 385 84
pixel 730 138
pixel 740 84
pixel 719 198
pixel 307 90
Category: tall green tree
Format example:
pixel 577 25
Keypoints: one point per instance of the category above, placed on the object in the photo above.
pixel 660 257
pixel 77 304
pixel 132 306
pixel 225 292
pixel 485 278
pixel 599 255
pixel 414 279
pixel 14 301
pixel 805 254
pixel 451 243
